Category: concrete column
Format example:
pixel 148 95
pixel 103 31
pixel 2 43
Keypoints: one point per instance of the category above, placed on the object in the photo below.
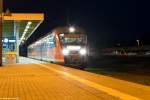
pixel 1 31
pixel 16 34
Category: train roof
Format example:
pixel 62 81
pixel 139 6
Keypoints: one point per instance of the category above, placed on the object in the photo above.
pixel 66 30
pixel 63 29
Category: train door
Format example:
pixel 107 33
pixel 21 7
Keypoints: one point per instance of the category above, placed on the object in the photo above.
pixel 58 50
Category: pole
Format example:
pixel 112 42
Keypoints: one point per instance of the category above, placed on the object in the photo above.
pixel 138 42
pixel 1 31
pixel 17 41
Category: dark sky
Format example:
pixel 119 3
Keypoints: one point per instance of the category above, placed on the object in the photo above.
pixel 107 22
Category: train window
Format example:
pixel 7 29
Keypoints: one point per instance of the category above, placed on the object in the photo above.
pixel 72 38
pixel 61 36
pixel 51 41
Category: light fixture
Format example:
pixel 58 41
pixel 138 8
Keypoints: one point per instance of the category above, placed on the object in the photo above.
pixel 29 23
pixel 25 31
pixel 27 27
pixel 6 40
pixel 11 41
pixel 71 29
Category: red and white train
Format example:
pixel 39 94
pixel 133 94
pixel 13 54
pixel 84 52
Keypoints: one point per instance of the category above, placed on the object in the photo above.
pixel 63 44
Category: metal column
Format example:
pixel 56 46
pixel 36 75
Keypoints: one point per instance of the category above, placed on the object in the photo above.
pixel 1 31
pixel 17 43
pixel 16 32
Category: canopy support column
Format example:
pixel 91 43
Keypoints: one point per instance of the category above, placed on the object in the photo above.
pixel 16 30
pixel 1 32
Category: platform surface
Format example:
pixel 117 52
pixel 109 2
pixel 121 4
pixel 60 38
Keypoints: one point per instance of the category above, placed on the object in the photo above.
pixel 37 80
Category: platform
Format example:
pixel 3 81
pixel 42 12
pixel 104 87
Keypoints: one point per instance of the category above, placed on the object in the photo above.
pixel 36 80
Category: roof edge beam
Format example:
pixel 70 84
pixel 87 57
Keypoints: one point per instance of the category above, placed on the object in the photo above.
pixel 24 16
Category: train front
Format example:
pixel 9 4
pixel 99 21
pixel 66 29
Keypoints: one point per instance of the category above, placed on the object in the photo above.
pixel 74 46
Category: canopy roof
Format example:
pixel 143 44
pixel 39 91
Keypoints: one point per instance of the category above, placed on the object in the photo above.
pixel 23 24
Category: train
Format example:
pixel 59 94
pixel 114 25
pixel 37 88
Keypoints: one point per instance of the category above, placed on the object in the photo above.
pixel 66 45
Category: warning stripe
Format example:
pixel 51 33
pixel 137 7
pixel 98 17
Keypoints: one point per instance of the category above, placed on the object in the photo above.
pixel 110 91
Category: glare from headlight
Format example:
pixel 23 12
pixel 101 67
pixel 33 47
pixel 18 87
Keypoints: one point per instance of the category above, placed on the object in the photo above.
pixel 65 51
pixel 82 51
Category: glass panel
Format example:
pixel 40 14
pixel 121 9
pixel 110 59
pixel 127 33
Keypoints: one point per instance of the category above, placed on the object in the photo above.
pixel 72 38
pixel 51 41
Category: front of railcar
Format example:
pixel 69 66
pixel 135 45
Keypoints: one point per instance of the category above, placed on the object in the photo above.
pixel 74 46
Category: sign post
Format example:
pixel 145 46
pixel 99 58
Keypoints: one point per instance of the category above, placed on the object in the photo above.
pixel 1 18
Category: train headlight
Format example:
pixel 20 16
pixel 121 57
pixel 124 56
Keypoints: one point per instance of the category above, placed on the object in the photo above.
pixel 83 51
pixel 65 51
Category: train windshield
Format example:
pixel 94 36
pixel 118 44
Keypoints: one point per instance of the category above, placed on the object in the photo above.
pixel 73 38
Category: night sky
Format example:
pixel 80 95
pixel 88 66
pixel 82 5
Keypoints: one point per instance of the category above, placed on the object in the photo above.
pixel 107 22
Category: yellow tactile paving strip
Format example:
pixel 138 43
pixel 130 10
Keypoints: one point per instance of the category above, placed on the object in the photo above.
pixel 32 82
pixel 127 88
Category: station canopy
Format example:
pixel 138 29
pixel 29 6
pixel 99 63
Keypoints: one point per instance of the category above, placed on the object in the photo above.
pixel 21 25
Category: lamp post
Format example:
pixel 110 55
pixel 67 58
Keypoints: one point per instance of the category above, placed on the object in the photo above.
pixel 1 18
pixel 138 42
